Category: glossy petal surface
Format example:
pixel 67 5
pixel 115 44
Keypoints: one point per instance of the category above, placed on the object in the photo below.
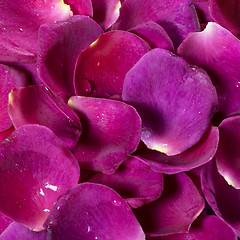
pixel 35 169
pixel 80 7
pixel 178 18
pixel 217 51
pixel 175 101
pixel 19 23
pixel 36 105
pixel 134 181
pixel 175 210
pixel 60 45
pixel 195 156
pixel 111 131
pixel 93 211
pixel 102 67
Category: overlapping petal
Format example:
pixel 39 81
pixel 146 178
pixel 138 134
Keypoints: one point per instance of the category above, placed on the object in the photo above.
pixel 80 7
pixel 93 211
pixel 111 131
pixel 175 101
pixel 35 169
pixel 4 223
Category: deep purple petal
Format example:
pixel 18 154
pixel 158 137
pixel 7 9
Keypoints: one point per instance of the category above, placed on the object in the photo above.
pixel 195 156
pixel 36 105
pixel 130 182
pixel 175 210
pixel 178 18
pixel 60 45
pixel 4 223
pixel 35 169
pixel 218 51
pixel 92 211
pixel 111 131
pixel 80 7
pixel 203 10
pixel 103 65
pixel 175 101
pixel 19 23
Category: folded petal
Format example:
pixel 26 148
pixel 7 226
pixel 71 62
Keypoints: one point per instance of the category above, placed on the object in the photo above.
pixel 20 21
pixel 92 211
pixel 195 156
pixel 175 101
pixel 178 18
pixel 35 169
pixel 81 7
pixel 130 182
pixel 111 131
pixel 59 46
pixel 218 51
pixel 37 105
pixel 101 68
pixel 178 206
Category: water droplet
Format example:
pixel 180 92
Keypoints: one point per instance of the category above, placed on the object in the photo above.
pixel 4 29
pixel 96 238
pixel 117 203
pixel 89 229
pixel 20 29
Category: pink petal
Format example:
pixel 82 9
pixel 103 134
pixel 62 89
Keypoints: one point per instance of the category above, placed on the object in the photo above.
pixel 81 7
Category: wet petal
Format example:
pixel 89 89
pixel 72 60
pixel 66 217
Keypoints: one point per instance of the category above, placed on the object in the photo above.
pixel 33 163
pixel 218 51
pixel 93 211
pixel 130 182
pixel 60 45
pixel 80 7
pixel 175 210
pixel 37 105
pixel 195 156
pixel 111 131
pixel 19 24
pixel 104 64
pixel 178 18
pixel 175 101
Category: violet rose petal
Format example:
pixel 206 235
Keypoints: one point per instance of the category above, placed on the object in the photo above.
pixel 19 23
pixel 92 211
pixel 81 7
pixel 134 181
pixel 59 46
pixel 111 131
pixel 179 205
pixel 193 157
pixel 205 227
pixel 35 169
pixel 4 223
pixel 37 105
pixel 16 231
pixel 218 51
pixel 178 18
pixel 175 101
pixel 101 68
pixel 222 197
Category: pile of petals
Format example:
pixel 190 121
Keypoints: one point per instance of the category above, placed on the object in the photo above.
pixel 119 120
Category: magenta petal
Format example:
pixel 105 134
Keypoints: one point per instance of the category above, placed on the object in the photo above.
pixel 111 131
pixel 16 231
pixel 178 18
pixel 204 228
pixel 217 51
pixel 130 182
pixel 154 35
pixel 5 134
pixel 103 65
pixel 175 210
pixel 35 169
pixel 36 105
pixel 175 101
pixel 81 7
pixel 59 46
pixel 195 156
pixel 20 21
pixel 92 211
pixel 222 197
pixel 4 223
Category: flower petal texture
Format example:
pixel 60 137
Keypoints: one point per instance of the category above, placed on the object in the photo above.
pixel 80 7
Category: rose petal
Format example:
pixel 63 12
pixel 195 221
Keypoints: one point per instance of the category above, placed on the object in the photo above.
pixel 36 105
pixel 111 131
pixel 218 51
pixel 81 7
pixel 35 169
pixel 19 23
pixel 59 46
pixel 175 210
pixel 175 101
pixel 104 64
pixel 93 211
